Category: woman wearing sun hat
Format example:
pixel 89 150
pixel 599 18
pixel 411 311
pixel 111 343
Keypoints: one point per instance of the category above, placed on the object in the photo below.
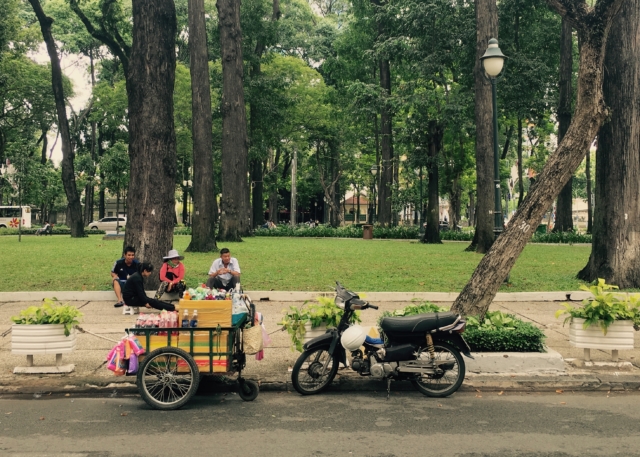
pixel 171 275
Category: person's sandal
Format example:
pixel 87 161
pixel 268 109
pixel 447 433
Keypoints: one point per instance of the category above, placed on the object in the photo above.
pixel 119 304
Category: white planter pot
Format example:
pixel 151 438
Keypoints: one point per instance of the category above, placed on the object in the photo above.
pixel 311 333
pixel 619 335
pixel 41 339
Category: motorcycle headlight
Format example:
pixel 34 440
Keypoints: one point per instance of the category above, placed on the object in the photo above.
pixel 339 302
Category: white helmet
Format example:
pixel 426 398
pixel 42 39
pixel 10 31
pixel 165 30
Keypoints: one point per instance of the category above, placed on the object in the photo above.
pixel 353 338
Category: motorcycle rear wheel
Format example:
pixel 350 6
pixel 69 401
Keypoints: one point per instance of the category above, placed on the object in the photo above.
pixel 444 384
pixel 306 376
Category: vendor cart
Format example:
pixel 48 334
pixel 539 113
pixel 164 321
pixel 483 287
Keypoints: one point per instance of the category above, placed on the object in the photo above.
pixel 175 358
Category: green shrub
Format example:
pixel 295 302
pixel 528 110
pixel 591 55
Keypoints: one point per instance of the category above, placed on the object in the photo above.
pixel 561 237
pixel 497 332
pixel 55 231
pixel 51 312
pixel 324 311
pixel 182 230
pixel 451 235
pixel 525 338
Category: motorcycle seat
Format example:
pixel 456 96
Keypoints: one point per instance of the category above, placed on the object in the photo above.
pixel 420 323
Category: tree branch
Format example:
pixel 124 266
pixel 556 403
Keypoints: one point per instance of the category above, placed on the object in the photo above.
pixel 102 36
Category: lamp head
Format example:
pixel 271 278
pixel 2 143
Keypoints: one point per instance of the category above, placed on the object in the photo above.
pixel 493 59
pixel 374 170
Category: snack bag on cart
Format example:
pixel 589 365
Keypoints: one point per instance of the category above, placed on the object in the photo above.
pixel 117 362
pixel 133 364
pixel 135 345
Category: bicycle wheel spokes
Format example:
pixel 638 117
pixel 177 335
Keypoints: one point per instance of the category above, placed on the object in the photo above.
pixel 162 380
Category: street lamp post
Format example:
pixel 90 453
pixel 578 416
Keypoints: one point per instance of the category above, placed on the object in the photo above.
pixel 315 212
pixel 187 184
pixel 418 171
pixel 493 61
pixel 374 172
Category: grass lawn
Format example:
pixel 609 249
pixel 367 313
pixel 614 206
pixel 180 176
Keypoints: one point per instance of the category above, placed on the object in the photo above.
pixel 63 263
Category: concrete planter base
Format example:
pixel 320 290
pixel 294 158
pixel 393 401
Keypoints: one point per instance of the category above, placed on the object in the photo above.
pixel 620 335
pixel 31 340
pixel 515 362
pixel 311 333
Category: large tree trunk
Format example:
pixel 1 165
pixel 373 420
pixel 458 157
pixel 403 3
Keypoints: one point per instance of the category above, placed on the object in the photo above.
pixel 236 217
pixel 386 174
pixel 593 26
pixel 152 140
pixel 615 253
pixel 432 232
pixel 74 222
pixel 205 209
pixel 486 28
pixel 89 200
pixel 589 193
pixel 564 205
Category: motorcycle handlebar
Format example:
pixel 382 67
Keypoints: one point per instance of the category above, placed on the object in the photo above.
pixel 372 306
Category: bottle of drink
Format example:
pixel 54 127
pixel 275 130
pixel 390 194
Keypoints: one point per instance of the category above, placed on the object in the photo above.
pixel 173 322
pixel 194 319
pixel 164 322
pixel 185 318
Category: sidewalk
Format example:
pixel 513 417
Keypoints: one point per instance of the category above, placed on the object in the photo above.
pixel 102 319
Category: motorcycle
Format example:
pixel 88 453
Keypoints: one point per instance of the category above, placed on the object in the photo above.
pixel 424 349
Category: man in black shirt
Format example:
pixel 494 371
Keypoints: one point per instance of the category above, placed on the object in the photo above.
pixel 134 294
pixel 122 269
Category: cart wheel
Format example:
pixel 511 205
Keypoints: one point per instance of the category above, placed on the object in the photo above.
pixel 248 390
pixel 167 378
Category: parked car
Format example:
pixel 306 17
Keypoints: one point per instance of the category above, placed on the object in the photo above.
pixel 108 223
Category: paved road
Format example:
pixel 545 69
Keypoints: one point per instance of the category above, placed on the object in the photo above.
pixel 333 424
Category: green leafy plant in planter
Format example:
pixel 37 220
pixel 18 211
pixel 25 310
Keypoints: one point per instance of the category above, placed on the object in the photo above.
pixel 323 312
pixel 604 308
pixel 51 312
pixel 498 331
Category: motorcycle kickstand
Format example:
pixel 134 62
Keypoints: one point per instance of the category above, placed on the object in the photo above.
pixel 388 387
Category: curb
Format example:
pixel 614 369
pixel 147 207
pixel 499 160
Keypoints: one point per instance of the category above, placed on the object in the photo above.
pixel 298 296
pixel 345 382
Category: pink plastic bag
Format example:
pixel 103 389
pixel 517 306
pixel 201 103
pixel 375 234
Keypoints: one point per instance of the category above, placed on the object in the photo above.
pixel 135 345
pixel 117 363
pixel 112 352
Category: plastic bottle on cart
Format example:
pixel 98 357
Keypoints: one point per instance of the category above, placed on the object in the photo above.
pixel 164 322
pixel 173 321
pixel 185 318
pixel 194 319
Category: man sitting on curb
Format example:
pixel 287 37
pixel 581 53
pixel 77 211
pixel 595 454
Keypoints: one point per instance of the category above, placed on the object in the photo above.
pixel 121 271
pixel 224 272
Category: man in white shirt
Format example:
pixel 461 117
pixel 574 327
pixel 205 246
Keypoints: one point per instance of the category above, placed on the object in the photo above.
pixel 224 272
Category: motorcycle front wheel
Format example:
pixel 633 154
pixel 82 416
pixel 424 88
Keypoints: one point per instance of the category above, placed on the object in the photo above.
pixel 449 360
pixel 309 374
